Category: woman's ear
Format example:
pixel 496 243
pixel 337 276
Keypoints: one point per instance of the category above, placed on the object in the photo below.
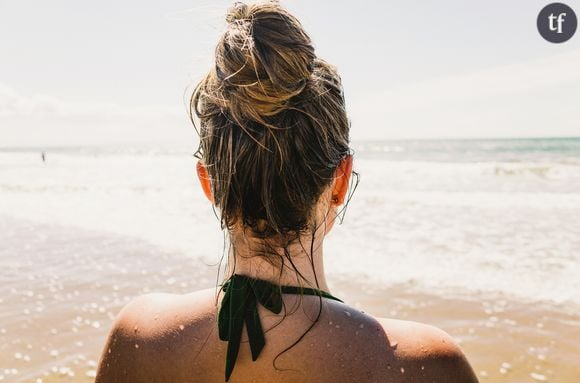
pixel 204 180
pixel 341 180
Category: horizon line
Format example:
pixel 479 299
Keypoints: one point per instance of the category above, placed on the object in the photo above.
pixel 355 141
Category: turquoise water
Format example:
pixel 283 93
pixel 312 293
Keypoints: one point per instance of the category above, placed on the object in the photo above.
pixel 494 150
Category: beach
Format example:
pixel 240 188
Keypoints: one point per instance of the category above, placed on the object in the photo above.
pixel 477 237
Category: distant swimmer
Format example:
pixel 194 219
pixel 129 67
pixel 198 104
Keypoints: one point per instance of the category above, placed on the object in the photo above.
pixel 43 157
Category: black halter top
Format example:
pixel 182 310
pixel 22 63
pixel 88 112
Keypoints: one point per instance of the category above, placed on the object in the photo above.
pixel 239 305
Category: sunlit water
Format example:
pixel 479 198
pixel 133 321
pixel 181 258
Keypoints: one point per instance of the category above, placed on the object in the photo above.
pixel 90 228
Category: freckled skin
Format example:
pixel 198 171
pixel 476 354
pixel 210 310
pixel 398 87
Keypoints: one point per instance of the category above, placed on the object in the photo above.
pixel 178 342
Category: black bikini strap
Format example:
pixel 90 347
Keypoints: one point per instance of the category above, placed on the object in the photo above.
pixel 239 305
pixel 307 291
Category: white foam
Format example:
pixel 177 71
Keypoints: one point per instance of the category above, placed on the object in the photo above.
pixel 446 225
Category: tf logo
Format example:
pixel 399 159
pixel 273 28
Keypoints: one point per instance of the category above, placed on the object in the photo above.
pixel 557 22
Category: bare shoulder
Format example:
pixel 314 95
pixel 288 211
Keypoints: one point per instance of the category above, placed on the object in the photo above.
pixel 414 339
pixel 427 353
pixel 151 329
pixel 152 315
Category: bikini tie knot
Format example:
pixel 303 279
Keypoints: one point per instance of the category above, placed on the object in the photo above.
pixel 240 305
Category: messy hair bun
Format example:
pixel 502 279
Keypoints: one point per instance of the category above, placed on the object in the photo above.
pixel 273 124
pixel 262 61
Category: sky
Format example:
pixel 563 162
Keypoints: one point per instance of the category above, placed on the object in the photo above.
pixel 76 72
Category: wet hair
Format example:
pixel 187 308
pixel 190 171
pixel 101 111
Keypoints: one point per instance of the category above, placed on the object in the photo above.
pixel 273 123
pixel 273 130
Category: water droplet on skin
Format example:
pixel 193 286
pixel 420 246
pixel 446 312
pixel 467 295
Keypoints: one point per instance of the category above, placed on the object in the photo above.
pixel 337 326
pixel 347 313
pixel 136 345
pixel 181 327
pixel 402 370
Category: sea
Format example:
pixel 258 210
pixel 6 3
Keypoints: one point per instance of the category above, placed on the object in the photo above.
pixel 83 230
pixel 500 215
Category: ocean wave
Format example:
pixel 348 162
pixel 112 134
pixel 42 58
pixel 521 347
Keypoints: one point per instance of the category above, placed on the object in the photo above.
pixel 487 225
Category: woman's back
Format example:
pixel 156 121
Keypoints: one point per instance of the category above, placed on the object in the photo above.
pixel 174 338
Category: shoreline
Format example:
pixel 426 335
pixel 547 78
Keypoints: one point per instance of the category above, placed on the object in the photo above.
pixel 62 288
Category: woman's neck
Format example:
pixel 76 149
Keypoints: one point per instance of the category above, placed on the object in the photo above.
pixel 301 265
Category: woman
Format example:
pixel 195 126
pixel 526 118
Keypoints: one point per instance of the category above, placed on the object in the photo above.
pixel 275 162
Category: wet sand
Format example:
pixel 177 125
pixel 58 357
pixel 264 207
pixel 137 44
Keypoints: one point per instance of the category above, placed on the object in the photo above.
pixel 60 289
